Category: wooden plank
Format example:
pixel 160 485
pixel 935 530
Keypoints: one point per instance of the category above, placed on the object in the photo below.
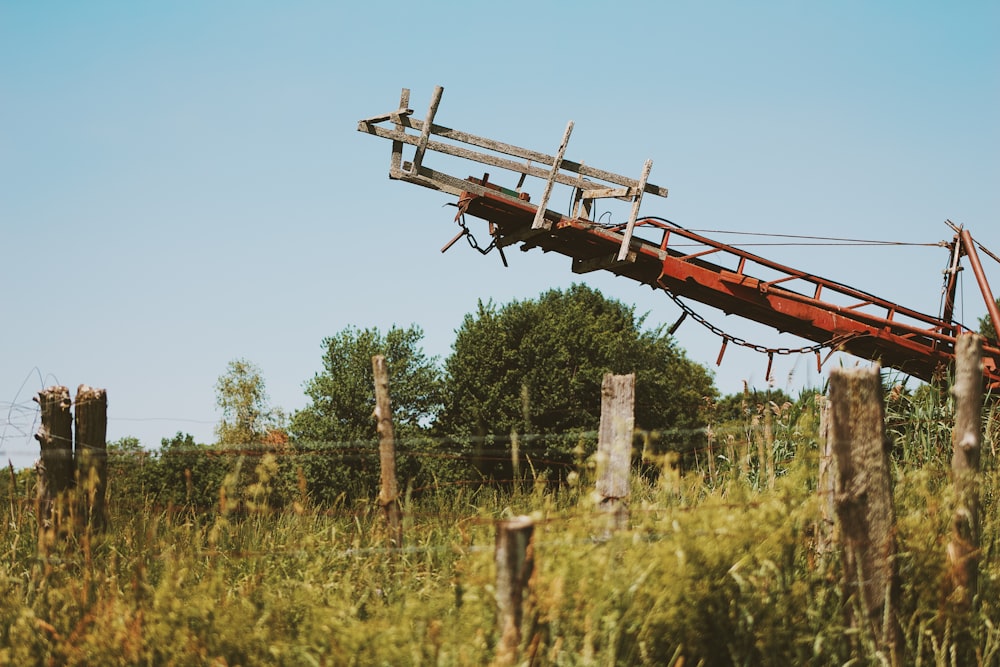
pixel 646 168
pixel 468 154
pixel 543 158
pixel 425 133
pixel 397 146
pixel 437 180
pixel 506 149
pixel 539 221
pixel 394 116
pixel 604 193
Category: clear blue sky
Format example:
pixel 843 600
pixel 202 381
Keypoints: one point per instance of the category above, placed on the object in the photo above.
pixel 182 183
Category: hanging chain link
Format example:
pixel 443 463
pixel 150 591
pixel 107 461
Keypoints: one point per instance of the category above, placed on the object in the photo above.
pixel 472 239
pixel 808 349
pixel 473 243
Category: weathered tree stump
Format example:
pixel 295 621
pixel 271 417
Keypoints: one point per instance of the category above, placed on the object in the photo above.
pixel 91 449
pixel 966 439
pixel 614 445
pixel 388 497
pixel 515 564
pixel 55 465
pixel 863 504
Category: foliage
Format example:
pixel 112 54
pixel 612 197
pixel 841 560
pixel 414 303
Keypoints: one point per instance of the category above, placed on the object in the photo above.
pixel 717 575
pixel 241 394
pixel 335 433
pixel 737 407
pixel 133 472
pixel 534 368
pixel 987 327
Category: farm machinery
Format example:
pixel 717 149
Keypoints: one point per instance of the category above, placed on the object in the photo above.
pixel 665 256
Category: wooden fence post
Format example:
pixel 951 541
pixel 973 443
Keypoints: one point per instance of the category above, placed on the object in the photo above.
pixel 515 563
pixel 388 497
pixel 91 418
pixel 614 445
pixel 863 503
pixel 966 438
pixel 826 536
pixel 55 466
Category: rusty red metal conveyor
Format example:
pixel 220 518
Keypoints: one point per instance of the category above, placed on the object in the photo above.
pixel 658 253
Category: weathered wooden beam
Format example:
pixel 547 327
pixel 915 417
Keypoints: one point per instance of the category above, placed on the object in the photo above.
pixel 540 222
pixel 515 563
pixel 863 503
pixel 373 128
pixel 614 445
pixel 634 215
pixel 388 497
pixel 55 465
pixel 397 118
pixel 425 133
pixel 90 416
pixel 966 441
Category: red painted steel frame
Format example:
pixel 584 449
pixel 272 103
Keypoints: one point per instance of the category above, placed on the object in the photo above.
pixel 912 342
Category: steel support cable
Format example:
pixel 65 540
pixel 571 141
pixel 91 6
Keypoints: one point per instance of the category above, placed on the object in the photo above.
pixel 834 239
pixel 839 240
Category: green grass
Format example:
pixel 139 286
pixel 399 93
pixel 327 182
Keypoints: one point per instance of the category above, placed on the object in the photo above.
pixel 711 573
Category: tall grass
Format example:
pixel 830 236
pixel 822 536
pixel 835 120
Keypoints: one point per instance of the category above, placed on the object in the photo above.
pixel 714 574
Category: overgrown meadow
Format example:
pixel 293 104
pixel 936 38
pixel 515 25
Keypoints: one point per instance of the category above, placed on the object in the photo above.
pixel 719 565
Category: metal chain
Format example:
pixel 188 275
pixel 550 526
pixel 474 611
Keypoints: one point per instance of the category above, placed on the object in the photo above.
pixel 809 349
pixel 472 239
pixel 460 219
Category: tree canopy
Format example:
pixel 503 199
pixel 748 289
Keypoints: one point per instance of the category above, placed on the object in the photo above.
pixel 535 367
pixel 987 327
pixel 342 395
pixel 335 433
pixel 241 394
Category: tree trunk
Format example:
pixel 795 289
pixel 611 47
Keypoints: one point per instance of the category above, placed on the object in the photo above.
pixel 55 466
pixel 91 417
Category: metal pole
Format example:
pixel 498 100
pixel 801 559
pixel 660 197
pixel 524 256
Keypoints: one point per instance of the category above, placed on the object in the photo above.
pixel 984 286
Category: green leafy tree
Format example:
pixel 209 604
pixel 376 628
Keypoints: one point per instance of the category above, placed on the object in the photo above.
pixel 241 394
pixel 535 368
pixel 335 433
pixel 250 429
pixel 987 327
